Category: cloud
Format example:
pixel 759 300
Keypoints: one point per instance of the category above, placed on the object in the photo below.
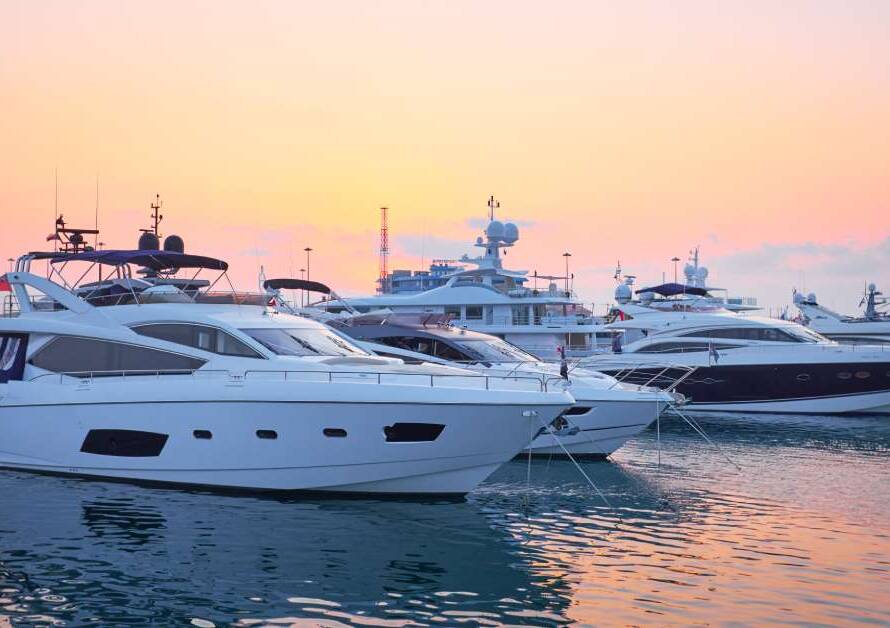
pixel 837 272
pixel 481 223
pixel 830 260
pixel 432 246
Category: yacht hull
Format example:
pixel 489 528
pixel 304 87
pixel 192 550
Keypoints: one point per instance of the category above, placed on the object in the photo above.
pixel 606 427
pixel 405 448
pixel 820 388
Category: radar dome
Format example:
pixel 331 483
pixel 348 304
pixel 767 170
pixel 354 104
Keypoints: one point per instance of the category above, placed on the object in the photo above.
pixel 149 242
pixel 689 271
pixel 798 298
pixel 495 230
pixel 811 297
pixel 511 233
pixel 174 244
pixel 479 240
pixel 702 273
pixel 622 293
pixel 646 297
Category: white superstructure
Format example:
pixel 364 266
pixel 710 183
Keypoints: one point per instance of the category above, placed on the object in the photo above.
pixel 872 327
pixel 539 313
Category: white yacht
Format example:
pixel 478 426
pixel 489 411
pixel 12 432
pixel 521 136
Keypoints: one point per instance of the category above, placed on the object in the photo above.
pixel 149 379
pixel 872 327
pixel 694 295
pixel 748 363
pixel 606 412
pixel 539 313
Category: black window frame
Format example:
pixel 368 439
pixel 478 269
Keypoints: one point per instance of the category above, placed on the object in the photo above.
pixel 757 334
pixel 189 363
pixel 194 341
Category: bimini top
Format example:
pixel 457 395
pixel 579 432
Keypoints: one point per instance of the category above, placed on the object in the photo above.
pixel 673 289
pixel 155 260
pixel 296 284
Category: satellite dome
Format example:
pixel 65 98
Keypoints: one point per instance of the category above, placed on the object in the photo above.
pixel 495 230
pixel 622 293
pixel 702 273
pixel 646 297
pixel 798 298
pixel 174 244
pixel 479 240
pixel 811 297
pixel 511 233
pixel 149 242
pixel 689 271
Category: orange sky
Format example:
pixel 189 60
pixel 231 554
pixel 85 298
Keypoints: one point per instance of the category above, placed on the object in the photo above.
pixel 628 131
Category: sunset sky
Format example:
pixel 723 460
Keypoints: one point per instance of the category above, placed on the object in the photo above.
pixel 636 130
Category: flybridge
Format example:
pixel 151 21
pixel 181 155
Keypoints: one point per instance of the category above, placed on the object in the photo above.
pixel 118 285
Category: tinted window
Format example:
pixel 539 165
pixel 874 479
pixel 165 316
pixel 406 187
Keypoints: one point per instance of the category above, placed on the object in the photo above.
pixel 453 311
pixel 409 343
pixel 772 334
pixel 683 347
pixel 198 336
pixel 494 350
pixel 474 312
pixel 447 352
pixel 82 356
pixel 303 342
pixel 412 432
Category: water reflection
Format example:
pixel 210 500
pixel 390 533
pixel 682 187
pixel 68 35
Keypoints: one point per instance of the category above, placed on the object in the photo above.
pixel 799 535
pixel 141 554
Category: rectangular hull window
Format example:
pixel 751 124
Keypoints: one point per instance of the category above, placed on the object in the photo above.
pixel 412 432
pixel 126 443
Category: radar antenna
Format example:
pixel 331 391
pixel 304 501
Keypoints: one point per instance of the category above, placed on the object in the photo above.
pixel 384 250
pixel 492 205
pixel 156 216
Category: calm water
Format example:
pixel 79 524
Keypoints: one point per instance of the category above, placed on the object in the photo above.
pixel 800 535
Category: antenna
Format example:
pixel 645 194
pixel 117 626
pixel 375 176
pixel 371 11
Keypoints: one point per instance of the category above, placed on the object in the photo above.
pixel 96 238
pixel 492 205
pixel 384 248
pixel 56 212
pixel 155 216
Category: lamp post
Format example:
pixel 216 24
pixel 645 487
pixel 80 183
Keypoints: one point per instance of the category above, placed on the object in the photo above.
pixel 675 259
pixel 308 250
pixel 10 260
pixel 567 256
pixel 302 292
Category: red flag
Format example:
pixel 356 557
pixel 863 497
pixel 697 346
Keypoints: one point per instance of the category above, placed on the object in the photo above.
pixel 53 236
pixel 4 284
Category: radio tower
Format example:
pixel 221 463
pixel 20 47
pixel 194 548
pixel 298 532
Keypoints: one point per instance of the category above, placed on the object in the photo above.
pixel 384 250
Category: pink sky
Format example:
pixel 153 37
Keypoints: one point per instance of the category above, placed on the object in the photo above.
pixel 629 131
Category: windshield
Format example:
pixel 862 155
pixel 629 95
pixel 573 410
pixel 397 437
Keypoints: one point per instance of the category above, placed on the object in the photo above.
pixel 804 334
pixel 303 342
pixel 494 350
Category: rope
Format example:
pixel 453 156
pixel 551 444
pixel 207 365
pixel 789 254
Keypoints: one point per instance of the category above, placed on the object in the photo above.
pixel 577 466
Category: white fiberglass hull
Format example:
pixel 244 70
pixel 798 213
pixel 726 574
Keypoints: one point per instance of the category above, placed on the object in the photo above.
pixel 866 403
pixel 318 444
pixel 599 432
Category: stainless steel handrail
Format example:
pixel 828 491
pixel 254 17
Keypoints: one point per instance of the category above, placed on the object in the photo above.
pixel 379 376
pixel 325 376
